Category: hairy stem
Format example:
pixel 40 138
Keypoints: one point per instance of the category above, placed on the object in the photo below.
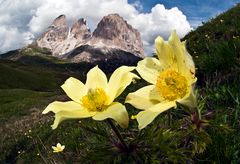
pixel 115 129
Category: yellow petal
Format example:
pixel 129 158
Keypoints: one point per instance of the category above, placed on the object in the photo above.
pixel 54 149
pixel 119 80
pixel 149 69
pixel 115 111
pixel 178 50
pixel 189 60
pixel 126 80
pixel 142 98
pixel 63 115
pixel 146 117
pixel 59 145
pixel 190 68
pixel 189 100
pixel 74 88
pixel 163 106
pixel 58 106
pixel 184 61
pixel 165 54
pixel 96 78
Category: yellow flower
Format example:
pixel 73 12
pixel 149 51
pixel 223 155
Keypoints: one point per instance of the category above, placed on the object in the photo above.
pixel 172 78
pixel 95 98
pixel 133 117
pixel 58 148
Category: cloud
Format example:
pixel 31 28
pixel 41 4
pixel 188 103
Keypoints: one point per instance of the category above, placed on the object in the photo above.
pixel 75 9
pixel 12 38
pixel 160 21
pixel 25 20
pixel 14 17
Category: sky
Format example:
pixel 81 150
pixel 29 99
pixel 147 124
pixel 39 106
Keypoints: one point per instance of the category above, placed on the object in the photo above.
pixel 22 21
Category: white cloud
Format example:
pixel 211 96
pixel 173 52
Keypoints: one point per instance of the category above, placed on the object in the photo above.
pixel 161 22
pixel 75 9
pixel 12 38
pixel 23 19
pixel 14 17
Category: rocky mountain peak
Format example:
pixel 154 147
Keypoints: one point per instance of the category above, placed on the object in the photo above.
pixel 60 21
pixel 115 31
pixel 80 29
pixel 112 32
pixel 55 34
pixel 110 27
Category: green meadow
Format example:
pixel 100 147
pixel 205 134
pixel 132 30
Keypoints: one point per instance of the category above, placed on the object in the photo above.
pixel 30 79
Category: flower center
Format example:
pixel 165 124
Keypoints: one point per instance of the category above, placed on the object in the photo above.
pixel 95 100
pixel 172 85
pixel 59 149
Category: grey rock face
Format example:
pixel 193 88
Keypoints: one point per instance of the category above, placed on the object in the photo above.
pixel 60 39
pixel 112 33
pixel 55 35
pixel 80 31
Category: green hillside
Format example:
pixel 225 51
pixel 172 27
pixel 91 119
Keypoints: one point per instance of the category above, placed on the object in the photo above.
pixel 17 75
pixel 30 79
pixel 35 69
pixel 215 46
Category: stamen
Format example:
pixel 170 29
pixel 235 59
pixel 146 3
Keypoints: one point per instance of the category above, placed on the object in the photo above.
pixel 95 100
pixel 172 85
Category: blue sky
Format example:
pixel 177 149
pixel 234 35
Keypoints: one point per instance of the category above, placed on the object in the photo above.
pixel 195 10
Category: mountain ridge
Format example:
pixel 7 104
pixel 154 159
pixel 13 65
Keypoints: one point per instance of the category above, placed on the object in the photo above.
pixel 112 32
